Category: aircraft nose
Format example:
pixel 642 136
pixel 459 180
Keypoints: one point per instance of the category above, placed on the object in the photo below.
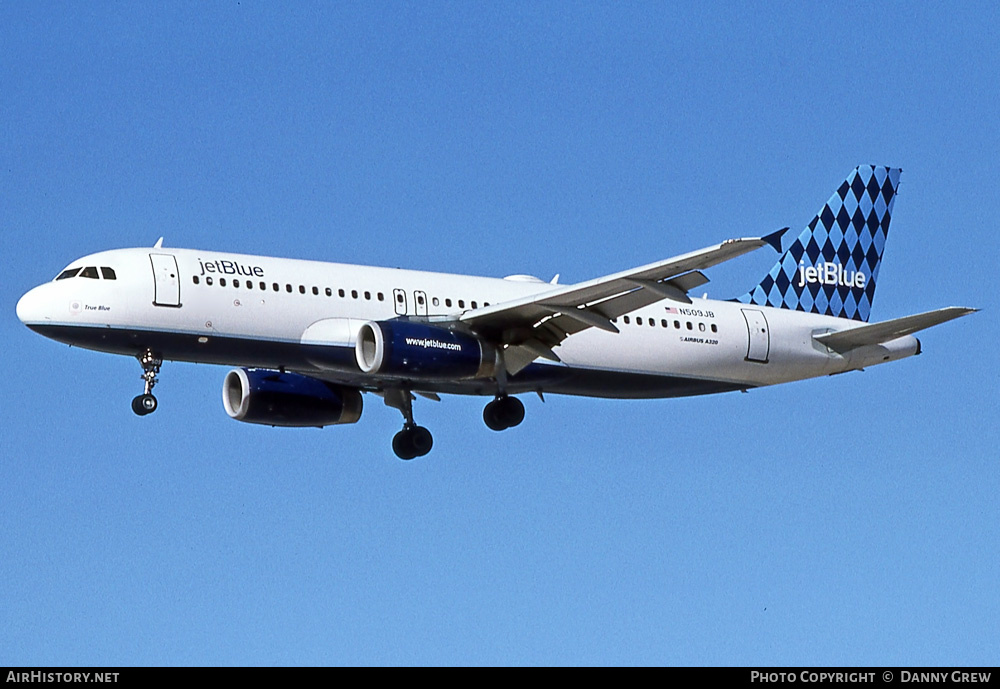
pixel 31 308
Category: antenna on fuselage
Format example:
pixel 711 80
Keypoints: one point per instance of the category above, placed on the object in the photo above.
pixel 159 243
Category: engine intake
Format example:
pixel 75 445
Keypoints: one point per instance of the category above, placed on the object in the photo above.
pixel 407 349
pixel 273 398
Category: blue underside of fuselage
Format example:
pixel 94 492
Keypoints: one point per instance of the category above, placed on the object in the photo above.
pixel 323 361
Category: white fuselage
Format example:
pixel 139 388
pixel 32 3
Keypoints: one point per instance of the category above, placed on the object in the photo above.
pixel 260 311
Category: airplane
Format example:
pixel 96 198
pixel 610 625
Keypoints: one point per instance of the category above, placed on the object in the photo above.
pixel 307 338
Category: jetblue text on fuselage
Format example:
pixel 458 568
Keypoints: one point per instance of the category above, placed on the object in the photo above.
pixel 830 274
pixel 230 268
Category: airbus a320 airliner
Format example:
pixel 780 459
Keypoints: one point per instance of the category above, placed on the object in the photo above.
pixel 309 338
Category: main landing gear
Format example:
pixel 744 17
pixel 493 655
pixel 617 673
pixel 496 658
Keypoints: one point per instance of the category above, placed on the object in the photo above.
pixel 504 412
pixel 145 403
pixel 413 441
pixel 416 441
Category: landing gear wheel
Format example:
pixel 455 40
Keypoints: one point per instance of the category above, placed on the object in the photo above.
pixel 492 417
pixel 421 440
pixel 144 404
pixel 401 445
pixel 415 441
pixel 503 413
pixel 513 411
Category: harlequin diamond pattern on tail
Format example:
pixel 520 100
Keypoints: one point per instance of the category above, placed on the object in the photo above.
pixel 831 268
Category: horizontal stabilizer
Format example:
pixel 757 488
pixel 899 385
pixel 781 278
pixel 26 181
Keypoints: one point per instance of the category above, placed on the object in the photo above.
pixel 877 333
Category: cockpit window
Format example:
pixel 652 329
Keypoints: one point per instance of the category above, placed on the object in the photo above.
pixel 68 273
pixel 89 272
pixel 108 273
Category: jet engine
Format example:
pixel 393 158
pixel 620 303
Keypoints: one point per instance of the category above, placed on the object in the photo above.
pixel 273 398
pixel 418 350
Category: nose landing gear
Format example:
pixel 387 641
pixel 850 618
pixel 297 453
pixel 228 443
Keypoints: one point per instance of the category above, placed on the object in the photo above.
pixel 145 403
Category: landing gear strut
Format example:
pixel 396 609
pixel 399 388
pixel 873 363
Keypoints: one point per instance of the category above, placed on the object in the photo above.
pixel 504 412
pixel 413 440
pixel 145 403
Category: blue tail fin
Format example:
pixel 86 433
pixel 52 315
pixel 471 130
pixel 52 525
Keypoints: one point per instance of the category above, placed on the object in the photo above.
pixel 833 265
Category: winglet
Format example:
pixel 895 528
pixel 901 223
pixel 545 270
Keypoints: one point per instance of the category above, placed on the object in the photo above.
pixel 774 239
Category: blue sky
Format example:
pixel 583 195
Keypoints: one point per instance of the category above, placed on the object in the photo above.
pixel 848 520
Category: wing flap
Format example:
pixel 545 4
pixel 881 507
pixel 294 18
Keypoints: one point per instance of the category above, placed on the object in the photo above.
pixel 876 333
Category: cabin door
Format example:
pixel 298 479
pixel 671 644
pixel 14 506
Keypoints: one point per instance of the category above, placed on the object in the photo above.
pixel 759 343
pixel 166 280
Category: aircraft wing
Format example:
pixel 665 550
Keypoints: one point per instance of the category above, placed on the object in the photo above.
pixel 530 327
pixel 877 333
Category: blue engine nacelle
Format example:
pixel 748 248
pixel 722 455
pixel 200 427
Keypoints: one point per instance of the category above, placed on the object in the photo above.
pixel 273 398
pixel 417 350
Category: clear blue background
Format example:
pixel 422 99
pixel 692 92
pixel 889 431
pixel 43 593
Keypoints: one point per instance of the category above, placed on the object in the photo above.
pixel 846 520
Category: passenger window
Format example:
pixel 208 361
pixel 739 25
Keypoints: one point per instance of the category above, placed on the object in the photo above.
pixel 249 284
pixel 447 302
pixel 677 324
pixel 461 303
pixel 341 293
pixel 354 294
pixel 329 292
pixel 420 299
pixel 474 305
pixel 436 301
pixel 638 320
pixel 222 282
pixel 236 283
pixel 714 329
pixel 263 286
pixel 663 323
pixel 195 279
pixel 302 289
pixel 89 272
pixel 315 291
pixel 274 286
pixel 701 327
pixel 288 288
pixel 368 296
pixel 108 273
pixel 626 320
pixel 381 297
pixel 208 280
pixel 690 327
